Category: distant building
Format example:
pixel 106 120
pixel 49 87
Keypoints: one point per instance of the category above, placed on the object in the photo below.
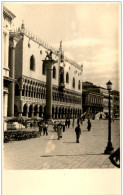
pixel 92 98
pixel 96 99
pixel 105 93
pixel 116 102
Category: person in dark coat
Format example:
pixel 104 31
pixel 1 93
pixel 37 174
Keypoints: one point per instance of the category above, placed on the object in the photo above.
pixel 68 122
pixel 45 129
pixel 73 122
pixel 78 132
pixel 40 129
pixel 63 124
pixel 89 125
pixel 78 121
pixel 59 131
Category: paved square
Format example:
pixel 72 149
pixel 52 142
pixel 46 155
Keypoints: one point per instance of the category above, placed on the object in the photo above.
pixel 46 152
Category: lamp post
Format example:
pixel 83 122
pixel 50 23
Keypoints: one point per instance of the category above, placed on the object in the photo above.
pixel 109 149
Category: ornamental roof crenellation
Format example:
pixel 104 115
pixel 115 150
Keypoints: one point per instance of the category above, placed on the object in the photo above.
pixel 46 46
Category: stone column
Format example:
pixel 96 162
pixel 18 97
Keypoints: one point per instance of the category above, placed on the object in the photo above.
pixel 32 110
pixel 27 111
pixel 21 108
pixel 11 86
pixel 14 38
pixel 37 114
pixel 49 73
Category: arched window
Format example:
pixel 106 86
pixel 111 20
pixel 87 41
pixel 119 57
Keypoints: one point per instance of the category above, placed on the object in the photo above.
pixel 67 77
pixel 73 82
pixel 32 63
pixel 54 72
pixel 79 86
pixel 43 69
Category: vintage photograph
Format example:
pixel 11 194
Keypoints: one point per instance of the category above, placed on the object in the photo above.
pixel 61 85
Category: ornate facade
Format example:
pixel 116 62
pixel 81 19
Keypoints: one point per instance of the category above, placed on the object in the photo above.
pixel 7 62
pixel 30 75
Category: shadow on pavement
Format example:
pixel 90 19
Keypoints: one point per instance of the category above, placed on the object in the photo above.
pixel 69 142
pixel 71 155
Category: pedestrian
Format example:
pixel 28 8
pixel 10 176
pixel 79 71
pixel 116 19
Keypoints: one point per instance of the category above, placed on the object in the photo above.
pixel 78 121
pixel 78 132
pixel 89 125
pixel 59 131
pixel 73 122
pixel 68 122
pixel 55 126
pixel 45 129
pixel 63 124
pixel 40 128
pixel 81 120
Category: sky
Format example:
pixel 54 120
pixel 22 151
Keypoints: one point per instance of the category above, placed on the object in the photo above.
pixel 90 34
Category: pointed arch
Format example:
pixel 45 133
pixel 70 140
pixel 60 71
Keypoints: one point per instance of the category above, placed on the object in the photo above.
pixel 67 77
pixel 73 82
pixel 79 85
pixel 54 72
pixel 32 63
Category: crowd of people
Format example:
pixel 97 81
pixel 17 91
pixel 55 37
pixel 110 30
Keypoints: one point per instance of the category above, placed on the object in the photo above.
pixel 60 126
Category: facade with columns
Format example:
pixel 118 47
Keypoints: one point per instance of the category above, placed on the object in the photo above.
pixel 8 69
pixel 31 73
pixel 96 99
pixel 92 98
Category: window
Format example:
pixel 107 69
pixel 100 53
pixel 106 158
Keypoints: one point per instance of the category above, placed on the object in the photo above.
pixel 54 72
pixel 32 63
pixel 73 82
pixel 43 69
pixel 67 77
pixel 79 85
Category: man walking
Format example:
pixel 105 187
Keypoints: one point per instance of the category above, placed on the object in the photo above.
pixel 78 132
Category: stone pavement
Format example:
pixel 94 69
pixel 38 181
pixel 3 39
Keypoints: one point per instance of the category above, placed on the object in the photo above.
pixel 46 152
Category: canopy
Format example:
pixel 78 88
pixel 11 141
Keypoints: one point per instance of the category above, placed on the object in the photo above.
pixel 100 115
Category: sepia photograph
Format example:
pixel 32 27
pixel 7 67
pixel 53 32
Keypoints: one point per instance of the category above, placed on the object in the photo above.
pixel 61 91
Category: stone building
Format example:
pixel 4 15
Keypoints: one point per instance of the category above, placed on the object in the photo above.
pixel 30 75
pixel 105 93
pixel 92 98
pixel 7 71
pixel 116 102
pixel 96 99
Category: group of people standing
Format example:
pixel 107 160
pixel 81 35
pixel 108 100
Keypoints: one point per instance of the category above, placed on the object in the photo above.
pixel 43 128
pixel 59 127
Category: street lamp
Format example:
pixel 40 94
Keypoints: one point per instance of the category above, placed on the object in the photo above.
pixel 109 149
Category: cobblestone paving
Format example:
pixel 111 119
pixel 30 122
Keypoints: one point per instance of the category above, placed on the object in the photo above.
pixel 46 152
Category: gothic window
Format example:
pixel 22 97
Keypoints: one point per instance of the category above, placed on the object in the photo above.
pixel 43 69
pixel 67 77
pixel 73 82
pixel 32 63
pixel 54 72
pixel 79 85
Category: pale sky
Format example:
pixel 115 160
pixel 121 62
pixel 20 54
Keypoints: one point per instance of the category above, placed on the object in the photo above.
pixel 90 34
